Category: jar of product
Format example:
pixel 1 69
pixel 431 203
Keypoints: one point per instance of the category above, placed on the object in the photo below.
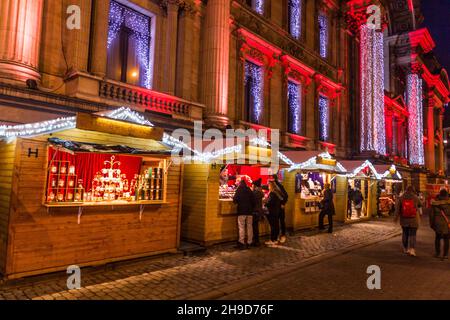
pixel 54 169
pixel 71 169
pixel 61 183
pixel 63 169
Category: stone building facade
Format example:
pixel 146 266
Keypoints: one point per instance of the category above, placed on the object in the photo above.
pixel 300 66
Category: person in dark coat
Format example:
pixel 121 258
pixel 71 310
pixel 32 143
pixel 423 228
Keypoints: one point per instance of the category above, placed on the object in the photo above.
pixel 409 224
pixel 358 201
pixel 327 209
pixel 285 196
pixel 273 204
pixel 439 222
pixel 245 204
pixel 258 214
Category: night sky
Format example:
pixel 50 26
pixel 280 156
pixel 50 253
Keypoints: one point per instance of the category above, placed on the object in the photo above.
pixel 437 20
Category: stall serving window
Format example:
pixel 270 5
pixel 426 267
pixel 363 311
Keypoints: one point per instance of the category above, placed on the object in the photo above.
pixel 310 186
pixel 104 178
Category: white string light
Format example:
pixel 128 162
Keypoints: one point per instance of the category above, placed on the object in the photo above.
pixel 254 78
pixel 324 118
pixel 32 129
pixel 415 119
pixel 295 18
pixel 126 114
pixel 323 35
pixel 295 107
pixel 258 6
pixel 366 163
pixel 373 131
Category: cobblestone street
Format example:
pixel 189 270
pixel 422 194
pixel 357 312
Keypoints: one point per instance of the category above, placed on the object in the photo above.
pixel 185 277
pixel 344 276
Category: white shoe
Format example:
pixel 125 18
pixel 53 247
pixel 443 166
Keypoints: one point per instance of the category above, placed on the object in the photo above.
pixel 269 243
pixel 412 252
pixel 282 239
pixel 405 251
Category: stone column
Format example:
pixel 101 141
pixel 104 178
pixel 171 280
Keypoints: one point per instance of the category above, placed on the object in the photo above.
pixel 170 46
pixel 430 161
pixel 216 51
pixel 441 142
pixel 99 52
pixel 20 34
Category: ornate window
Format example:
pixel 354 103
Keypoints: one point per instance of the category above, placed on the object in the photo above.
pixel 295 18
pixel 129 46
pixel 253 91
pixel 323 35
pixel 324 118
pixel 257 5
pixel 294 94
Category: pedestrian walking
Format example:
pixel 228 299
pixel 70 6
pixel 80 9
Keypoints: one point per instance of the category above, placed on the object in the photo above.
pixel 358 201
pixel 440 223
pixel 245 204
pixel 282 210
pixel 406 210
pixel 258 214
pixel 273 205
pixel 327 209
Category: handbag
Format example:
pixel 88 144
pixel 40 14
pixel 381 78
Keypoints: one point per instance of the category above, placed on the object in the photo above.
pixel 445 218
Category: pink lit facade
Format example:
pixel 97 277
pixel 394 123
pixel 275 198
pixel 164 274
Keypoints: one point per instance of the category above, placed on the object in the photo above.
pixel 186 60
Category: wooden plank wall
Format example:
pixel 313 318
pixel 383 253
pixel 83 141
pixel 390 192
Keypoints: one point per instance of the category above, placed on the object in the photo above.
pixel 44 240
pixel 195 191
pixel 340 198
pixel 7 155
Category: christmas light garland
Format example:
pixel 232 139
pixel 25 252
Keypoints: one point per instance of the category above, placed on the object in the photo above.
pixel 323 35
pixel 295 18
pixel 295 107
pixel 415 119
pixel 254 77
pixel 373 131
pixel 126 114
pixel 259 6
pixel 33 129
pixel 324 118
pixel 366 163
pixel 139 24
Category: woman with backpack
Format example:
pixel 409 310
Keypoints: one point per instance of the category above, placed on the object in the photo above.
pixel 440 223
pixel 406 209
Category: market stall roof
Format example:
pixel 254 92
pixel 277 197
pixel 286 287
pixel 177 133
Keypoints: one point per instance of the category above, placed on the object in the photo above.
pixel 301 156
pixel 321 162
pixel 356 167
pixel 154 147
pixel 388 171
pixel 122 121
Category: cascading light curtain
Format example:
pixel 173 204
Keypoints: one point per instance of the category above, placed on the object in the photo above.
pixel 373 130
pixel 254 83
pixel 323 35
pixel 415 119
pixel 295 107
pixel 295 18
pixel 139 25
pixel 324 118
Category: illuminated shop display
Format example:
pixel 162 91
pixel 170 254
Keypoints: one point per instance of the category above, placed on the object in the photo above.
pixel 254 79
pixel 295 107
pixel 96 178
pixel 323 35
pixel 324 118
pixel 373 132
pixel 139 25
pixel 415 120
pixel 295 18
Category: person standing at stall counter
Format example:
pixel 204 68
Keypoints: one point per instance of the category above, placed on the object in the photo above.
pixel 273 204
pixel 327 208
pixel 282 209
pixel 245 204
pixel 406 209
pixel 258 210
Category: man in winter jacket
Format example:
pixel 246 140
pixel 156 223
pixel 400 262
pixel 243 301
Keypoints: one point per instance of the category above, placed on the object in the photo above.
pixel 245 201
pixel 406 209
pixel 258 214
pixel 439 222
